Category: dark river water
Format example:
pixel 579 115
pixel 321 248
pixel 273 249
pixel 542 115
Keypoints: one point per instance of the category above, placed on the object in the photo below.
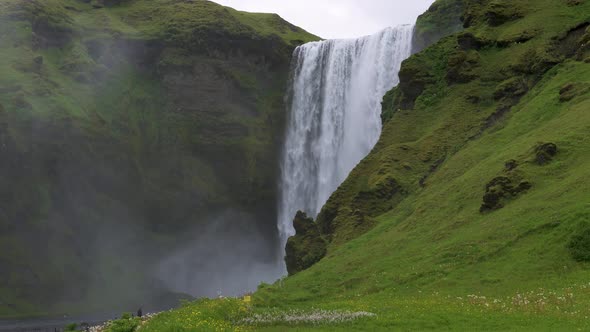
pixel 50 324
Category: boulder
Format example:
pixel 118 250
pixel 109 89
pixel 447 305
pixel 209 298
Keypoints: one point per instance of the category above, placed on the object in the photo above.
pixel 511 165
pixel 500 189
pixel 544 153
pixel 306 247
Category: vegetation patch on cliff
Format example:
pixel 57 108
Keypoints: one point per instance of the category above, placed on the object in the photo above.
pixel 130 123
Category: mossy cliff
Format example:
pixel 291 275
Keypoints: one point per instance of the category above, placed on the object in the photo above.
pixel 124 127
pixel 443 18
pixel 478 182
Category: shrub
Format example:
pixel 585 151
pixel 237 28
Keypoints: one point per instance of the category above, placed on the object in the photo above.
pixel 579 245
pixel 71 327
pixel 125 324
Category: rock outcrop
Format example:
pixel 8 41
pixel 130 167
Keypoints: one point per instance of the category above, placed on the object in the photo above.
pixel 307 247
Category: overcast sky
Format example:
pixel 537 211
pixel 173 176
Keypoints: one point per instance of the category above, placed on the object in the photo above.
pixel 338 18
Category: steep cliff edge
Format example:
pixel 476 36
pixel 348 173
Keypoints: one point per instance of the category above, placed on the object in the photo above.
pixel 471 212
pixel 475 184
pixel 126 127
pixel 442 19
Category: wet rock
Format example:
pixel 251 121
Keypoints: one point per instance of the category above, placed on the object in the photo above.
pixel 544 153
pixel 306 247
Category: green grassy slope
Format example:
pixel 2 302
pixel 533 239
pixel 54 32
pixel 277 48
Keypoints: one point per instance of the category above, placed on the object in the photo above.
pixel 411 239
pixel 122 125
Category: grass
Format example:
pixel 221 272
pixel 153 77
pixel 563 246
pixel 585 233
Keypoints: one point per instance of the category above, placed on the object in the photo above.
pixel 544 310
pixel 106 138
pixel 442 19
pixel 434 261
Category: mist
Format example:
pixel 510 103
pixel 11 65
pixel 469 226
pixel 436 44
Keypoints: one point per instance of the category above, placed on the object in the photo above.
pixel 223 259
pixel 115 191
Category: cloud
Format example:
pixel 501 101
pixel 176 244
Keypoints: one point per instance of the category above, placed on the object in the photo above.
pixel 338 18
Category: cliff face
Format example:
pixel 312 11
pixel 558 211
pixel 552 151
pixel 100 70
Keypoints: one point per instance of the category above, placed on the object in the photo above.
pixel 442 19
pixel 125 127
pixel 476 167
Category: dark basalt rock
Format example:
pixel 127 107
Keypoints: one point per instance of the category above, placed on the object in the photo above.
pixel 469 16
pixel 442 19
pixel 572 90
pixel 413 81
pixel 433 168
pixel 511 165
pixel 467 41
pixel 380 199
pixel 522 37
pixel 573 3
pixel 500 13
pixel 306 247
pixel 473 98
pixel 575 43
pixel 544 153
pixel 461 67
pixel 514 87
pixel 534 62
pixel 499 189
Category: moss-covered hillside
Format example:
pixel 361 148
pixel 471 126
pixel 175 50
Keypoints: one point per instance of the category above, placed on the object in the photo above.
pixel 124 127
pixel 443 18
pixel 478 185
pixel 472 212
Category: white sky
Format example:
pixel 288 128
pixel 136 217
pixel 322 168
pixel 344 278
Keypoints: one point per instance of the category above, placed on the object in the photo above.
pixel 338 18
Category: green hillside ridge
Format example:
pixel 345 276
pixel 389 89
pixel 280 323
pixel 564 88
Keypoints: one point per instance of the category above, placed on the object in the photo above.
pixel 472 212
pixel 124 127
pixel 443 18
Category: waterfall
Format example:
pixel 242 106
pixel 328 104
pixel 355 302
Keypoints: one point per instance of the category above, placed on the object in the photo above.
pixel 334 115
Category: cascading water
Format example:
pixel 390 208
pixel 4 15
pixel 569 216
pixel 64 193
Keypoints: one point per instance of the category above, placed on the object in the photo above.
pixel 335 107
